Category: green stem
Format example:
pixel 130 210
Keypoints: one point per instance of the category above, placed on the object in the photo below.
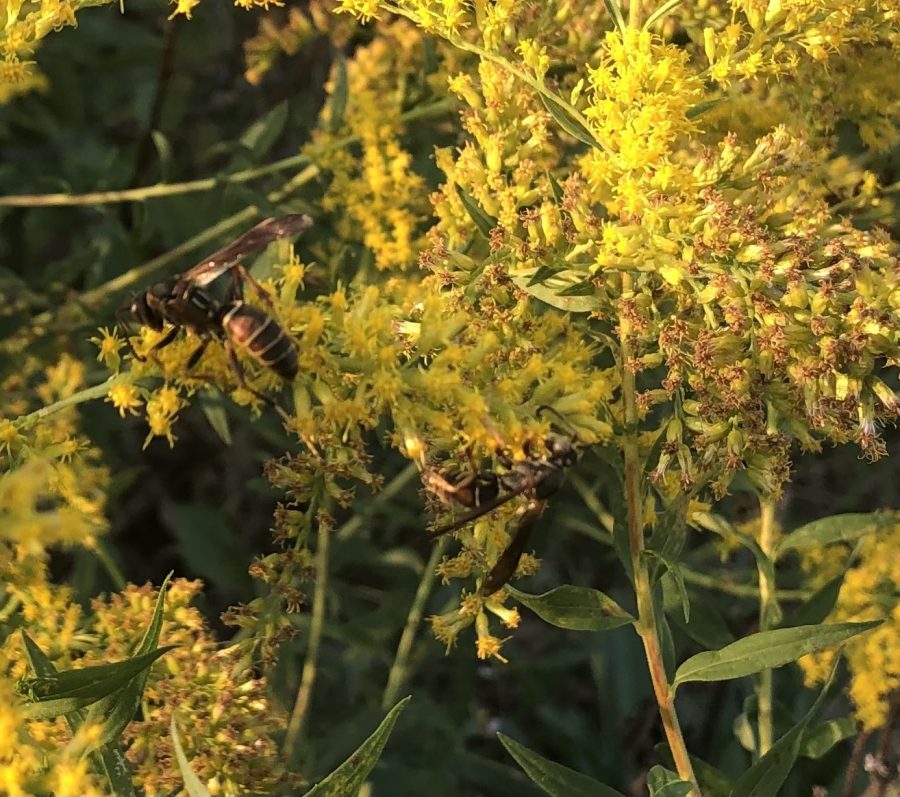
pixel 400 667
pixel 207 184
pixel 88 394
pixel 646 624
pixel 109 565
pixel 717 582
pixel 297 723
pixel 393 488
pixel 634 14
pixel 767 542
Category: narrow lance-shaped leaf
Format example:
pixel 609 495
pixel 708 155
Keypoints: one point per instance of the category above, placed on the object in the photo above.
pixel 837 528
pixel 819 740
pixel 109 758
pixel 339 95
pixel 482 220
pixel 662 782
pixel 616 13
pixel 54 698
pixel 567 122
pixel 575 608
pixel 768 774
pixel 192 784
pixel 553 778
pixel 766 650
pixel 117 710
pixel 349 777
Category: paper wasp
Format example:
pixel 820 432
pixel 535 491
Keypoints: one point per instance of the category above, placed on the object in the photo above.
pixel 537 477
pixel 183 302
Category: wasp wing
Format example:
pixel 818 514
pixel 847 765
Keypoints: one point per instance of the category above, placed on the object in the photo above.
pixel 254 240
pixel 505 567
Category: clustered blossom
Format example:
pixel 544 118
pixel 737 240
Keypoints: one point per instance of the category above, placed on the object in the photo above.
pixel 225 719
pixel 866 593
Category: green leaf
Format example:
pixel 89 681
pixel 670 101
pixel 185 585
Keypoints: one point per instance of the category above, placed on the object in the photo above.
pixel 582 288
pixel 766 650
pixel 338 95
pixel 661 12
pixel 818 606
pixel 260 136
pixel 542 274
pixel 662 782
pixel 556 188
pixel 208 544
pixel 553 778
pixel 822 738
pixel 707 625
pixel 213 407
pixel 616 13
pixel 551 294
pixel 62 693
pixel 192 784
pixel 711 779
pixel 575 608
pixel 350 776
pixel 768 774
pixel 164 150
pixel 676 579
pixel 836 528
pixel 482 220
pixel 702 107
pixel 109 758
pixel 766 565
pixel 117 710
pixel 572 126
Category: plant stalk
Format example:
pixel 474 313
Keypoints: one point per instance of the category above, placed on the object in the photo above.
pixel 297 722
pixel 646 624
pixel 767 604
pixel 400 667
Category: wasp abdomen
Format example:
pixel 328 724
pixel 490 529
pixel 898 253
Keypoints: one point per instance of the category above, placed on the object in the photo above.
pixel 262 336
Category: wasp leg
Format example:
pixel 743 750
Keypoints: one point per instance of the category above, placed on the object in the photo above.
pixel 239 276
pixel 238 371
pixel 198 353
pixel 506 565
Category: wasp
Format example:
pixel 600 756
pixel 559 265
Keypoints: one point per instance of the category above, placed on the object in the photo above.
pixel 538 478
pixel 183 302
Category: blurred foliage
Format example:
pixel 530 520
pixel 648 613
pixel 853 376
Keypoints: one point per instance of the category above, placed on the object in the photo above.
pixel 90 509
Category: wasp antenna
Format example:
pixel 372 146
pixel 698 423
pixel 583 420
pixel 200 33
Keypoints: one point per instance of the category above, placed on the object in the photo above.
pixel 568 424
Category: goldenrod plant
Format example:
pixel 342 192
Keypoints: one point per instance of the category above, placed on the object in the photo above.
pixel 609 282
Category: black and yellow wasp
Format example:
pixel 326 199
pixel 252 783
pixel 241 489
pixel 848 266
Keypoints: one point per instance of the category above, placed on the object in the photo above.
pixel 183 302
pixel 537 478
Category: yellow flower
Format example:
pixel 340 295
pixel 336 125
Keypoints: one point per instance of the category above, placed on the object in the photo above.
pixel 108 344
pixel 124 397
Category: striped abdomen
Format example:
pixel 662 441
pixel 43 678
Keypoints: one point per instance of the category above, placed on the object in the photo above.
pixel 259 334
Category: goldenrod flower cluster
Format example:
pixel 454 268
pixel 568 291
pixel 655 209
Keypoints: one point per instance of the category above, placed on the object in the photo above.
pixel 52 482
pixel 868 592
pixel 610 204
pixel 374 196
pixel 224 716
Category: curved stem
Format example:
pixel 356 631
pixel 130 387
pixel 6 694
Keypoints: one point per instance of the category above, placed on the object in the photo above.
pixel 297 723
pixel 393 488
pixel 646 624
pixel 400 667
pixel 767 606
pixel 206 184
pixel 88 394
